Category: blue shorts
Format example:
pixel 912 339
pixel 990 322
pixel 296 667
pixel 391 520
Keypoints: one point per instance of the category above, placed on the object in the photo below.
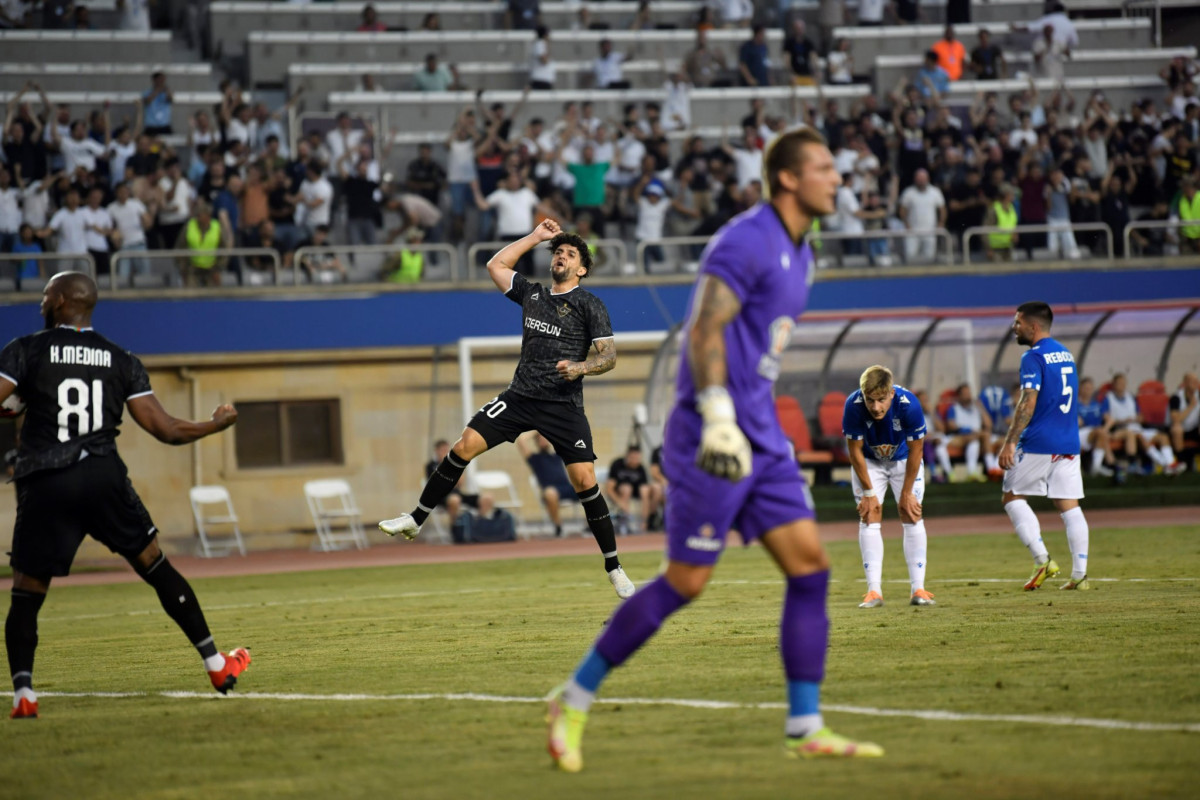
pixel 702 509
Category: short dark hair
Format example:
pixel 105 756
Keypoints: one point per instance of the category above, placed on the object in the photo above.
pixel 576 241
pixel 786 152
pixel 1038 312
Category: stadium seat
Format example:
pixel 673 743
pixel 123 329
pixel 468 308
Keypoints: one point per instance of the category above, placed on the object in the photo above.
pixel 207 544
pixel 795 427
pixel 1152 387
pixel 829 423
pixel 331 504
pixel 501 485
pixel 1102 392
pixel 1153 408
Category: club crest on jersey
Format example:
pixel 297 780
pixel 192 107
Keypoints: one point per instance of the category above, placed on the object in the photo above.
pixel 883 452
pixel 895 424
pixel 778 336
pixel 563 310
pixel 785 261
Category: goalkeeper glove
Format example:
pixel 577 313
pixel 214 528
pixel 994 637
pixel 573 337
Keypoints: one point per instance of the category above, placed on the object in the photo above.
pixel 724 449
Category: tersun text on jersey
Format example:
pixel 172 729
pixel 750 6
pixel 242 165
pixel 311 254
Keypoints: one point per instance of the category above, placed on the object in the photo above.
pixel 544 327
pixel 78 354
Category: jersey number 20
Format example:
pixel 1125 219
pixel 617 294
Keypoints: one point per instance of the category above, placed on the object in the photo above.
pixel 73 401
pixel 1068 392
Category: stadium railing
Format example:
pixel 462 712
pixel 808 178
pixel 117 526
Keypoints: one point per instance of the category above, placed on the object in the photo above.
pixel 1120 90
pixel 945 247
pixel 183 104
pixel 114 281
pixel 65 45
pixel 1146 225
pixel 69 261
pixel 1149 9
pixel 452 269
pixel 102 77
pixel 1074 227
pixel 616 246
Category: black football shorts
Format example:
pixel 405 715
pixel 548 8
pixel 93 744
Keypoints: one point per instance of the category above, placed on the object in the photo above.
pixel 508 415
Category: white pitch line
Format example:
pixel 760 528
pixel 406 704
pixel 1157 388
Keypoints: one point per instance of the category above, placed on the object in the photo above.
pixel 932 715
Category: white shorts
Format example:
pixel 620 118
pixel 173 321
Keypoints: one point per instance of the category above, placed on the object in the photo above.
pixel 1085 440
pixel 1044 475
pixel 888 473
pixel 1146 434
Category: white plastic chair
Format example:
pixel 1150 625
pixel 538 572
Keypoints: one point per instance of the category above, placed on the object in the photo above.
pixel 335 514
pixel 501 485
pixel 209 546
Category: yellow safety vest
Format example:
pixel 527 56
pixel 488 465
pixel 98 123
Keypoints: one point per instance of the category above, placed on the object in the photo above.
pixel 412 264
pixel 209 240
pixel 1190 210
pixel 1005 218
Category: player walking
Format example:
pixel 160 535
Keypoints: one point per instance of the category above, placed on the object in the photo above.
pixel 728 461
pixel 1041 450
pixel 884 428
pixel 71 481
pixel 562 323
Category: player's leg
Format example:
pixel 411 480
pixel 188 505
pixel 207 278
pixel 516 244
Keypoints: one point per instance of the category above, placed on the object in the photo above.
pixel 1065 490
pixel 180 602
pixel 971 453
pixel 582 475
pixel 870 536
pixel 21 640
pixel 942 451
pixel 916 544
pixel 1028 477
pixel 1171 465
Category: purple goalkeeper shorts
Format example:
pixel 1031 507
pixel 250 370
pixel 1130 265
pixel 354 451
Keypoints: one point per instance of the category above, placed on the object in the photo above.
pixel 702 509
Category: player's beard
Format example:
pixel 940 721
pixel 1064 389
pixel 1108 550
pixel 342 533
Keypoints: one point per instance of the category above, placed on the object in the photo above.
pixel 560 274
pixel 1021 340
pixel 49 318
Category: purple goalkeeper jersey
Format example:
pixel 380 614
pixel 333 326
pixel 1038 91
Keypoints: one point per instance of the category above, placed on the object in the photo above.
pixel 770 274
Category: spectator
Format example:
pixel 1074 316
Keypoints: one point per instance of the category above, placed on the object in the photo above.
pixel 314 200
pixel 754 62
pixel 157 103
pixel 262 267
pixel 922 208
pixel 987 59
pixel 874 213
pixel 368 84
pixel 239 123
pixel 1058 215
pixel 1114 209
pixel 627 480
pixel 951 55
pixel 407 266
pixel 588 194
pixel 514 204
pixel 255 206
pixel 542 72
pixel 432 21
pixel 1085 202
pixel 343 138
pixel 81 151
pixel 908 12
pixel 122 148
pixel 704 65
pixel 1032 186
pixel 23 140
pixel 27 243
pixel 839 63
pixel 523 15
pixel 370 21
pixel 1056 18
pixel 425 176
pixel 12 14
pixel 82 19
pixel 932 80
pixel 35 199
pixel 270 124
pixel 802 56
pixel 736 13
pixel 1189 212
pixel 677 108
pixel 1002 214
pixel 131 217
pixel 488 524
pixel 323 267
pixel 281 208
pixel 870 13
pixel 202 233
pixel 135 15
pixel 966 203
pixel 1179 71
pixel 607 69
pixel 97 227
pixel 651 218
pixel 415 211
pixel 435 77
pixel 173 210
pixel 1049 55
pixel 1184 411
pixel 687 205
pixel 10 211
pixel 550 474
pixel 748 157
pixel 846 218
pixel 461 173
pixel 363 210
pixel 70 224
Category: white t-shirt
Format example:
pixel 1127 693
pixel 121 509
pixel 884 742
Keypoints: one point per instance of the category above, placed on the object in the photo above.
pixel 837 64
pixel 338 143
pixel 1121 409
pixel 514 210
pixel 118 156
pixel 607 69
pixel 1021 138
pixel 539 71
pixel 847 207
pixel 321 189
pixel 650 219
pixel 100 219
pixel 36 204
pixel 870 10
pixel 238 131
pixel 922 207
pixel 135 16
pixel 678 104
pixel 749 166
pixel 81 153
pixel 10 210
pixel 460 164
pixel 128 219
pixel 69 225
pixel 736 10
pixel 176 205
pixel 844 160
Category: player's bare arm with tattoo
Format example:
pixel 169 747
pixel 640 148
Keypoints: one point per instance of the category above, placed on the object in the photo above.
pixel 1021 416
pixel 603 361
pixel 724 449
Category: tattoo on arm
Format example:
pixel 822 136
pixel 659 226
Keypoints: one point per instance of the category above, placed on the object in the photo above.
pixel 604 359
pixel 1022 415
pixel 717 307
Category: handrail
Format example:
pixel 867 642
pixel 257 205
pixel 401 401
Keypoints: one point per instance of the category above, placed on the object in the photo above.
pixel 478 247
pixel 218 253
pixel 364 249
pixel 84 257
pixel 639 257
pixel 983 230
pixel 947 252
pixel 1154 224
pixel 1155 12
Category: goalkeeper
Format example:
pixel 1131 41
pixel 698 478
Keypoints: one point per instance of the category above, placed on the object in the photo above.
pixel 727 460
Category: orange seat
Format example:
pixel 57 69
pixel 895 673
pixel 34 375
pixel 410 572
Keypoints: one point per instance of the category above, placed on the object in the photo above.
pixel 795 427
pixel 1152 387
pixel 1153 408
pixel 1102 392
pixel 829 423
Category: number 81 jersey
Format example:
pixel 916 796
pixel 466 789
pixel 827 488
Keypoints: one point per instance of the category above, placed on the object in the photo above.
pixel 1049 369
pixel 75 384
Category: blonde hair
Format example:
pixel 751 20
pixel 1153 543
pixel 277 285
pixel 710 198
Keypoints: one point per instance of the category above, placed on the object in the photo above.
pixel 784 152
pixel 875 379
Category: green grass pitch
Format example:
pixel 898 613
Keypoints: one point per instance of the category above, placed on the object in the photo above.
pixel 1125 653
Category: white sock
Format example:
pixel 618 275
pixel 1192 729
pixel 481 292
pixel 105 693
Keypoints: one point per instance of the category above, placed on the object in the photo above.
pixel 971 455
pixel 214 663
pixel 1029 531
pixel 1077 540
pixel 1097 458
pixel 1156 456
pixel 799 727
pixel 990 461
pixel 577 697
pixel 914 553
pixel 24 693
pixel 943 457
pixel 1168 455
pixel 870 541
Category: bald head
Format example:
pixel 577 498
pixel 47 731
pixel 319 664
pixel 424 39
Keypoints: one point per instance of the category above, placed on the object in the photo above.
pixel 68 299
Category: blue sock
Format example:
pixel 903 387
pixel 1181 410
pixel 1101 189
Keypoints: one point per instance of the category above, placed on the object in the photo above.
pixel 804 698
pixel 592 671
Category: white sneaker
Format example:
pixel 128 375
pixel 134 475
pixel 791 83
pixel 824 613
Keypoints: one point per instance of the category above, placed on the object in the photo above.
pixel 621 583
pixel 404 525
pixel 1102 471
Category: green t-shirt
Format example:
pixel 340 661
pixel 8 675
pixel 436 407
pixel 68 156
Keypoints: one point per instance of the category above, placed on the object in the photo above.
pixel 589 183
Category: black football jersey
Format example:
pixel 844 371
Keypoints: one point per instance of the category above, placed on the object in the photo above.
pixel 75 384
pixel 557 327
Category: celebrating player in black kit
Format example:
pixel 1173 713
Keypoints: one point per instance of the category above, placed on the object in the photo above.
pixel 562 324
pixel 71 481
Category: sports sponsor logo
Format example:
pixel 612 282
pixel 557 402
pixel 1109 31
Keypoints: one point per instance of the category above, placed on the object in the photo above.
pixel 883 451
pixel 779 334
pixel 543 327
pixel 705 541
pixel 581 444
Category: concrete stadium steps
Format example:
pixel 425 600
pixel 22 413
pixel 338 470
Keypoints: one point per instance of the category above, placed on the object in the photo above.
pixel 84 46
pixel 186 104
pixel 1120 90
pixel 105 77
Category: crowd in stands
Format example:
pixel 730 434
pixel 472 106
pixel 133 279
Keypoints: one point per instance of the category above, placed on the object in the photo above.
pixel 77 180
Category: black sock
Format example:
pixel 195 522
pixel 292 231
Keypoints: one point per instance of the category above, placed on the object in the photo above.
pixel 438 487
pixel 180 603
pixel 598 519
pixel 21 636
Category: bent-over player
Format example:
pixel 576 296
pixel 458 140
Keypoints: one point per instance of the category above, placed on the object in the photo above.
pixel 562 323
pixel 71 480
pixel 884 428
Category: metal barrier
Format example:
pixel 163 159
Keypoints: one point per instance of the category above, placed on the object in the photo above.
pixel 223 252
pixel 984 230
pixel 1151 9
pixel 366 249
pixel 86 258
pixel 667 241
pixel 1154 224
pixel 945 247
pixel 474 250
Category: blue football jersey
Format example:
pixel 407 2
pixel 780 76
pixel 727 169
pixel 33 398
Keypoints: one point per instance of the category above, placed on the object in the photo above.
pixel 1049 368
pixel 999 405
pixel 885 439
pixel 1091 414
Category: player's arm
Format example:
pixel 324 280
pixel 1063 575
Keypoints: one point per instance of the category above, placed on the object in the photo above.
pixel 869 505
pixel 724 449
pixel 603 361
pixel 500 266
pixel 1022 414
pixel 149 413
pixel 912 468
